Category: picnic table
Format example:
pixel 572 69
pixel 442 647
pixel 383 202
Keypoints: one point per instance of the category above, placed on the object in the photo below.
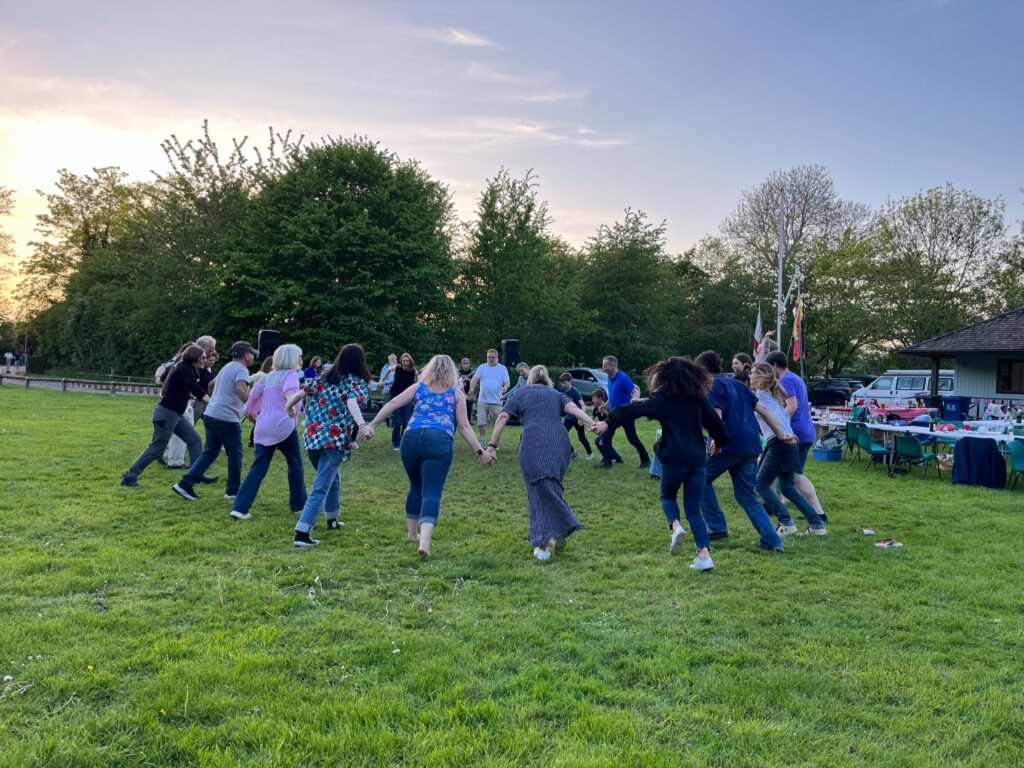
pixel 891 413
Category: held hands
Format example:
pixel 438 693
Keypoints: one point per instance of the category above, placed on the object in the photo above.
pixel 365 432
pixel 715 450
pixel 788 437
pixel 488 457
pixel 599 428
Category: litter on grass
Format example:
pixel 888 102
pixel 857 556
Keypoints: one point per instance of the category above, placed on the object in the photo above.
pixel 888 544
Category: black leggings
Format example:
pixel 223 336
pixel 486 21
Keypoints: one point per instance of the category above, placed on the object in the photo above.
pixel 572 422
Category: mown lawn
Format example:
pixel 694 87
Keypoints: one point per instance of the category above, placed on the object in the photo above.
pixel 138 629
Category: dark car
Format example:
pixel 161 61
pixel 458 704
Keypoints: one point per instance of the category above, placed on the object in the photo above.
pixel 833 391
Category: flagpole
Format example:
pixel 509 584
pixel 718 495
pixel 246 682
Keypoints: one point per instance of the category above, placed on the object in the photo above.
pixel 779 308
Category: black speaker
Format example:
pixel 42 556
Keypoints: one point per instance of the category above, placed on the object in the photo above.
pixel 509 352
pixel 268 342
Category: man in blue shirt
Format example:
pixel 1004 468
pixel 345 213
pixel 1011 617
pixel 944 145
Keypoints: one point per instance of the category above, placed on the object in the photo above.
pixel 799 411
pixel 736 405
pixel 621 390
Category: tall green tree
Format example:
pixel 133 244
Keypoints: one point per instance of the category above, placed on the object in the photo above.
pixel 350 243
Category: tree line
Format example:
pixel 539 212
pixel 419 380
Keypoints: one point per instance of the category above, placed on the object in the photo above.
pixel 340 239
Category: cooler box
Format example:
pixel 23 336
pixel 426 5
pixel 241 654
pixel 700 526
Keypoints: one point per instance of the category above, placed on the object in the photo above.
pixel 835 454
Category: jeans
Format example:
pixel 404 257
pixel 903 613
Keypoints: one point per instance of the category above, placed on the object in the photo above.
pixel 325 494
pixel 289 448
pixel 743 470
pixel 779 462
pixel 805 448
pixel 399 421
pixel 165 423
pixel 226 434
pixel 608 453
pixel 571 423
pixel 427 457
pixel 692 480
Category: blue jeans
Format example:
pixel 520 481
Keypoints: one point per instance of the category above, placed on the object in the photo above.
pixel 743 470
pixel 427 457
pixel 325 494
pixel 692 480
pixel 399 421
pixel 289 448
pixel 226 434
pixel 780 461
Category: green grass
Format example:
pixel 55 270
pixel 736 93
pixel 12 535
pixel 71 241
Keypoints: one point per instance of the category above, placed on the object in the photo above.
pixel 139 629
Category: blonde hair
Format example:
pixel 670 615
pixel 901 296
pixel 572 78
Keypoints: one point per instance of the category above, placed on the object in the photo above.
pixel 539 375
pixel 286 357
pixel 440 371
pixel 765 374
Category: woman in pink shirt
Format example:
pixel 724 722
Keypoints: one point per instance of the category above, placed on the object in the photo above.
pixel 275 430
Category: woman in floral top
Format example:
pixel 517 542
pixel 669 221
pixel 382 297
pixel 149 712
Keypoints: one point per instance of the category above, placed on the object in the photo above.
pixel 333 418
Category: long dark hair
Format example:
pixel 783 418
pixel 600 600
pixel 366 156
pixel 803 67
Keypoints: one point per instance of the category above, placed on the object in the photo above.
pixel 743 374
pixel 679 378
pixel 188 357
pixel 351 359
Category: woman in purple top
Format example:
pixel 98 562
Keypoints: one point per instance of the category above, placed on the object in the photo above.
pixel 438 407
pixel 274 431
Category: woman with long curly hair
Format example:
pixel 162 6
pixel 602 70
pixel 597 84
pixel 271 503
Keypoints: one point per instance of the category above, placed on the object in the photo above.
pixel 679 402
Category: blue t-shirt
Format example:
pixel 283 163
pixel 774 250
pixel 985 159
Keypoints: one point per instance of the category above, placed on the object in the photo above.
pixel 736 403
pixel 620 390
pixel 803 427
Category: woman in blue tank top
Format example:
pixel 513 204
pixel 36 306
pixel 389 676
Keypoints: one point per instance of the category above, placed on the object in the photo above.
pixel 439 407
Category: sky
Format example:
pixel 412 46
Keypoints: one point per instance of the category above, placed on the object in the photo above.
pixel 672 108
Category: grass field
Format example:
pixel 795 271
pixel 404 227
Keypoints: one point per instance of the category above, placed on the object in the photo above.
pixel 138 629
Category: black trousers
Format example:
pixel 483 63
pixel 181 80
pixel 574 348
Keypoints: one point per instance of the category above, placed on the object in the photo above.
pixel 629 428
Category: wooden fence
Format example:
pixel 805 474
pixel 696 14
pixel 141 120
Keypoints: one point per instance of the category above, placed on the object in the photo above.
pixel 79 385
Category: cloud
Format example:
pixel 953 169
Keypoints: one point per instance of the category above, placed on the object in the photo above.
pixel 552 96
pixel 488 74
pixel 459 37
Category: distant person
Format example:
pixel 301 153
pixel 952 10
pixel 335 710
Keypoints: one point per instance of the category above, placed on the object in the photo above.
pixel 9 358
pixel 333 417
pixel 522 370
pixel 222 422
pixel 466 379
pixel 571 422
pixel 799 409
pixel 403 376
pixel 600 410
pixel 181 383
pixel 387 374
pixel 493 382
pixel 274 430
pixel 781 458
pixel 316 367
pixel 679 403
pixel 438 409
pixel 621 391
pixel 543 458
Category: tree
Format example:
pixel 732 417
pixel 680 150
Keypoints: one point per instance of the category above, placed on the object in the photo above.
pixel 815 215
pixel 350 243
pixel 934 251
pixel 633 291
pixel 6 271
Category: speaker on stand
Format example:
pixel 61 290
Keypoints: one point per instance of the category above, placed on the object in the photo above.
pixel 268 342
pixel 510 352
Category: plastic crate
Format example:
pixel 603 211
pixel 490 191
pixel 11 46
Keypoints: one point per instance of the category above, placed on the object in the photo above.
pixel 836 454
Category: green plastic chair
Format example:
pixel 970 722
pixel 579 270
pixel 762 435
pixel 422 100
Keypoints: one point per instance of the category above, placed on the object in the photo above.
pixel 852 428
pixel 910 452
pixel 869 446
pixel 1016 451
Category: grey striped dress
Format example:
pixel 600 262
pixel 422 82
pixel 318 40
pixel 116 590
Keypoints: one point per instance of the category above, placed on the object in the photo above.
pixel 544 453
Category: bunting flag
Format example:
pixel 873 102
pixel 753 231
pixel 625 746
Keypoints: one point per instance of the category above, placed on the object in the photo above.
pixel 757 330
pixel 798 320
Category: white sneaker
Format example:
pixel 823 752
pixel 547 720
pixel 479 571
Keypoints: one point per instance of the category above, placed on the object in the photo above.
pixel 590 457
pixel 541 554
pixel 229 497
pixel 823 531
pixel 240 515
pixel 787 530
pixel 676 546
pixel 702 564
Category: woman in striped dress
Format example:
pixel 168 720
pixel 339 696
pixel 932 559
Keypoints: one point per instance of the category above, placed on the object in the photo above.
pixel 544 453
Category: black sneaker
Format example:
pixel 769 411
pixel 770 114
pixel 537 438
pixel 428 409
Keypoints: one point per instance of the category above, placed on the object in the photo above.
pixel 334 525
pixel 718 535
pixel 617 460
pixel 184 492
pixel 129 482
pixel 603 465
pixel 209 479
pixel 645 465
pixel 303 539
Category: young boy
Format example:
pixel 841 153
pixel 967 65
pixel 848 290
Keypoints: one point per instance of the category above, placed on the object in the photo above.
pixel 599 401
pixel 565 382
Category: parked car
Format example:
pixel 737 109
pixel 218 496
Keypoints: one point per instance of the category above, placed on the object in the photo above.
pixel 904 385
pixel 832 391
pixel 586 380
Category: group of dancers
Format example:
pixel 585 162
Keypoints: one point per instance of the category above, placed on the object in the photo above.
pixel 749 419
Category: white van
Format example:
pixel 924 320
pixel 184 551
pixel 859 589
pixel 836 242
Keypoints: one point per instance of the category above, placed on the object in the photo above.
pixel 898 387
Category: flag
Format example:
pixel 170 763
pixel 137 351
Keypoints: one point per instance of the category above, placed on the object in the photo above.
pixel 798 319
pixel 757 330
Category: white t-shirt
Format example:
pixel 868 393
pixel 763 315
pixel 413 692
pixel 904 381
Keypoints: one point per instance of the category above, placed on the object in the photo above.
pixel 225 404
pixel 491 378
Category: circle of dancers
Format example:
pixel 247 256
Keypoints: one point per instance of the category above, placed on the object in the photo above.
pixel 756 421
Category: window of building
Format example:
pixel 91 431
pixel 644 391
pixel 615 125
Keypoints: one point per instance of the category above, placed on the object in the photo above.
pixel 1010 377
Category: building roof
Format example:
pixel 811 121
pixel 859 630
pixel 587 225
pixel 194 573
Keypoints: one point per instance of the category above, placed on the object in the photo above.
pixel 1002 334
